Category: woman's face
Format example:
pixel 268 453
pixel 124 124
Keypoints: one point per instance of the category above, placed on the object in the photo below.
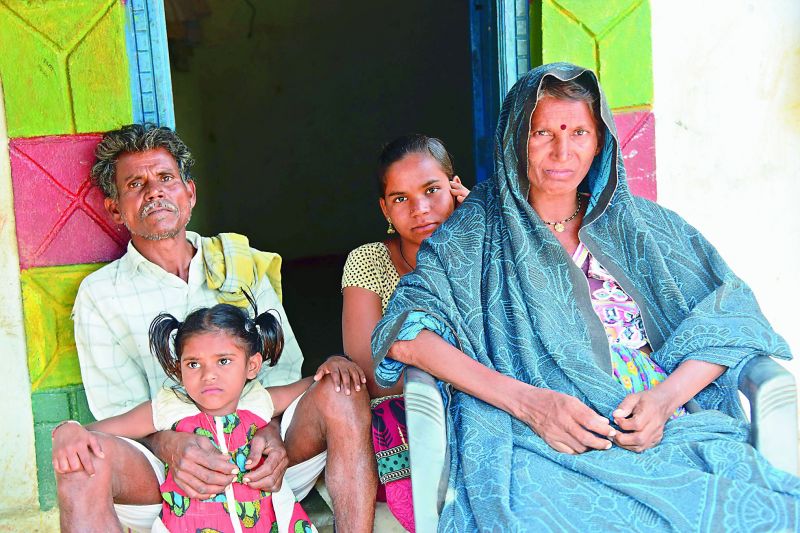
pixel 417 196
pixel 562 143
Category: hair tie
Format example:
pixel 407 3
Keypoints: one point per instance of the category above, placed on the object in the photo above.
pixel 251 325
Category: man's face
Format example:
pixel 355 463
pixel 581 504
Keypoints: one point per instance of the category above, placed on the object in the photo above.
pixel 152 200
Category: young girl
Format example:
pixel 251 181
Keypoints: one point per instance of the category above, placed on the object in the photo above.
pixel 418 192
pixel 218 351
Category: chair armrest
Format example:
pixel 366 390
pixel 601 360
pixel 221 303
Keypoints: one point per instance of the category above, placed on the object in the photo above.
pixel 772 394
pixel 427 447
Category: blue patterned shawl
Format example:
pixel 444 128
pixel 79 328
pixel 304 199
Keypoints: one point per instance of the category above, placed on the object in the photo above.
pixel 496 283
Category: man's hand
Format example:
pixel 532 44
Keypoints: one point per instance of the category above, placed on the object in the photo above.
pixel 563 421
pixel 197 467
pixel 343 371
pixel 73 447
pixel 267 445
pixel 642 416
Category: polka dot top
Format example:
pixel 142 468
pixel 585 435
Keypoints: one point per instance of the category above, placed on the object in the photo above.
pixel 370 267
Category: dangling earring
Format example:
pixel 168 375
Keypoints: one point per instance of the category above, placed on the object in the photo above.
pixel 390 229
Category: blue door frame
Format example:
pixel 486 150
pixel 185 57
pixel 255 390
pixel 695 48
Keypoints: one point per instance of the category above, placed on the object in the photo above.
pixel 499 33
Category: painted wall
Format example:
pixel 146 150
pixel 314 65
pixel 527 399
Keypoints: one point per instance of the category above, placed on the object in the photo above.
pixel 727 109
pixel 67 71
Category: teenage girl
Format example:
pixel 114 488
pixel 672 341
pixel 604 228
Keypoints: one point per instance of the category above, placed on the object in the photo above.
pixel 218 351
pixel 418 192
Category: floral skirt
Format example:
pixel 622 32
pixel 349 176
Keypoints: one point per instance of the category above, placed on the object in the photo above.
pixel 389 435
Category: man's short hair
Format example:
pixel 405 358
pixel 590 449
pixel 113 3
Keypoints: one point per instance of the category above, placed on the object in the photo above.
pixel 136 138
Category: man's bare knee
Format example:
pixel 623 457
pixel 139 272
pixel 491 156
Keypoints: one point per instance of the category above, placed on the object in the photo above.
pixel 346 411
pixel 80 485
pixel 124 475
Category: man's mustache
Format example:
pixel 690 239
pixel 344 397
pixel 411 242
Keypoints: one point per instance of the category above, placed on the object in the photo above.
pixel 156 204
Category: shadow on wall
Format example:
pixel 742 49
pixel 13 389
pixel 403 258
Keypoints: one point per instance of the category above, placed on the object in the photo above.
pixel 286 106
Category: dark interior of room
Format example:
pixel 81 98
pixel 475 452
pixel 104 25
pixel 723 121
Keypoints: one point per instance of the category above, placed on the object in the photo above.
pixel 286 105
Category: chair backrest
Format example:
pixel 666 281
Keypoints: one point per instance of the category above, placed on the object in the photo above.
pixel 427 444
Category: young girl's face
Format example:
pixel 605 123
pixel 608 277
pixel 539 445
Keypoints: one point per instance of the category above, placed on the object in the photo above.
pixel 214 370
pixel 417 196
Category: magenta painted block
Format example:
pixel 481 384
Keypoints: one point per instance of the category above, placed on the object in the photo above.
pixel 59 215
pixel 637 136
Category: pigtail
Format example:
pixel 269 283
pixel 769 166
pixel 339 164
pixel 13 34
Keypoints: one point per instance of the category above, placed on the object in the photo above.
pixel 161 329
pixel 270 331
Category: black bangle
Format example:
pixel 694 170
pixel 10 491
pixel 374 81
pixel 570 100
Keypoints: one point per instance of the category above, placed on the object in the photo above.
pixel 339 355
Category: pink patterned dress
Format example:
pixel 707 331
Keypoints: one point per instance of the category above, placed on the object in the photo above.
pixel 240 509
pixel 630 350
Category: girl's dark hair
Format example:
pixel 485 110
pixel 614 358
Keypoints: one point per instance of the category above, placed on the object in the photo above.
pixel 263 334
pixel 416 143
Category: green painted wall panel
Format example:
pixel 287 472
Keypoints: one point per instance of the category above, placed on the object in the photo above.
pixel 565 39
pixel 626 66
pixel 49 408
pixel 63 66
pixel 596 15
pixel 47 297
pixel 33 81
pixel 612 37
pixel 100 61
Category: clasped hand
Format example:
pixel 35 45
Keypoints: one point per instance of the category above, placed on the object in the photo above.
pixel 202 471
pixel 569 426
pixel 564 422
pixel 641 417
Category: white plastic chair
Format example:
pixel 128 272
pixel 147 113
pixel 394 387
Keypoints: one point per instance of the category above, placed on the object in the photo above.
pixel 769 388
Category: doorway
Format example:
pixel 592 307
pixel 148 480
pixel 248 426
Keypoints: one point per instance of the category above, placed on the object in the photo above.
pixel 286 106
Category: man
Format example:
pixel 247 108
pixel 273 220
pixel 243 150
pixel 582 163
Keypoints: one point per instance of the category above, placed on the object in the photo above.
pixel 144 174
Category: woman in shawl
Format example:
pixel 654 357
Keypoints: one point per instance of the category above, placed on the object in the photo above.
pixel 575 327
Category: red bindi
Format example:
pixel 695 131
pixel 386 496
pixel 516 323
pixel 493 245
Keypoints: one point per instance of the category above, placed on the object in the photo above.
pixel 563 126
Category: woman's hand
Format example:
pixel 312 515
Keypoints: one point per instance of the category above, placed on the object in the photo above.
pixel 458 190
pixel 642 416
pixel 343 372
pixel 73 446
pixel 563 421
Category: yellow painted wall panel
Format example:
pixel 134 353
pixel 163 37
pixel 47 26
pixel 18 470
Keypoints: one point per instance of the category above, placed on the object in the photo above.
pixel 64 66
pixel 47 297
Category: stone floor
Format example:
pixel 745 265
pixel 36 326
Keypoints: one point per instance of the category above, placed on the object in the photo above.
pixel 36 522
pixel 319 512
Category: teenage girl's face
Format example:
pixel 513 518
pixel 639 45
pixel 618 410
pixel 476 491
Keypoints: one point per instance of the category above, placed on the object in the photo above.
pixel 214 370
pixel 417 197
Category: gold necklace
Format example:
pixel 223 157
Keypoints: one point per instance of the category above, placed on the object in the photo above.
pixel 558 226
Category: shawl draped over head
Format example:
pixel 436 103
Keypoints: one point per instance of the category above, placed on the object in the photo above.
pixel 496 283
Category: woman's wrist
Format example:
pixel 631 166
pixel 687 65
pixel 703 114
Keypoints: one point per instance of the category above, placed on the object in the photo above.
pixel 518 397
pixel 668 398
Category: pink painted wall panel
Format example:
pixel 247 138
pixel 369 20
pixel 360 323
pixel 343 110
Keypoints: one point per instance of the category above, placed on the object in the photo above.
pixel 637 134
pixel 59 214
